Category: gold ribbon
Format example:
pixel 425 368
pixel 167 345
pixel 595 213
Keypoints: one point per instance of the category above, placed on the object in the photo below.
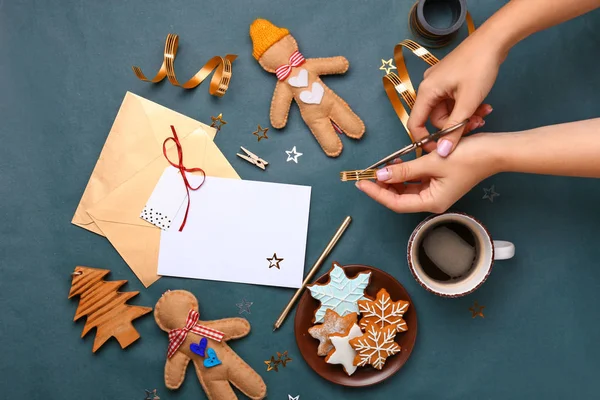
pixel 400 85
pixel 221 65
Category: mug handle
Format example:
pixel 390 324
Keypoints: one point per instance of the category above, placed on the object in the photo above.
pixel 503 250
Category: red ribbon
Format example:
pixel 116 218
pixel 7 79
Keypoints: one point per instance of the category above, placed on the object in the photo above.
pixel 283 71
pixel 177 336
pixel 182 169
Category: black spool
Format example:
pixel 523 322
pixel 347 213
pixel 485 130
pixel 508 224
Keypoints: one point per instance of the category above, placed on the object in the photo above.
pixel 432 35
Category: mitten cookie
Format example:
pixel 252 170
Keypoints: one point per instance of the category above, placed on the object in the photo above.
pixel 217 366
pixel 324 112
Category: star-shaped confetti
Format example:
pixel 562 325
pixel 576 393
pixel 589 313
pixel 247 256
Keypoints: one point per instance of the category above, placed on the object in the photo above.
pixel 244 306
pixel 261 133
pixel 387 66
pixel 293 398
pixel 218 122
pixel 274 261
pixel 283 358
pixel 477 310
pixel 272 364
pixel 490 193
pixel 151 395
pixel 293 155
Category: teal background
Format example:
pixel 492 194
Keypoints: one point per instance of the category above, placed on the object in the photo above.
pixel 64 70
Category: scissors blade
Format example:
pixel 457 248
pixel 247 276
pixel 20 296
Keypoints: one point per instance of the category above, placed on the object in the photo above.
pixel 414 146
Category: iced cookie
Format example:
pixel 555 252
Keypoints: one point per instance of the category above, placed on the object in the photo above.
pixel 340 294
pixel 342 352
pixel 375 346
pixel 383 312
pixel 332 324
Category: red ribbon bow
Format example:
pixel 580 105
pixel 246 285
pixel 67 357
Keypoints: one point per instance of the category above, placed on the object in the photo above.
pixel 296 59
pixel 182 169
pixel 177 336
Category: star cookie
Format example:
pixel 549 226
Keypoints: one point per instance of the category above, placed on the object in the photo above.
pixel 343 353
pixel 332 324
pixel 375 346
pixel 340 294
pixel 383 311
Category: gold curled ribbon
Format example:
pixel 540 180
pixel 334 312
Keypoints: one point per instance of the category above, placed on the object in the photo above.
pixel 399 85
pixel 221 65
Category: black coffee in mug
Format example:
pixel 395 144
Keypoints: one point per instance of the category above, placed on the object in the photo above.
pixel 448 251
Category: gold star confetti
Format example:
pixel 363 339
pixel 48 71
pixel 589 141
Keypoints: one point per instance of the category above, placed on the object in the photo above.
pixel 151 395
pixel 283 358
pixel 218 122
pixel 274 261
pixel 272 364
pixel 387 66
pixel 477 310
pixel 261 133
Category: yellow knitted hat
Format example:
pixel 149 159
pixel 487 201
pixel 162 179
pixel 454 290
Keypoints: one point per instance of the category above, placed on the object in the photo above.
pixel 264 35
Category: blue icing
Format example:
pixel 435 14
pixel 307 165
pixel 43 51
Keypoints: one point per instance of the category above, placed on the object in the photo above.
pixel 341 294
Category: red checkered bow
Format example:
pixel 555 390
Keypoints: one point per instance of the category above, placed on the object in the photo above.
pixel 296 59
pixel 177 336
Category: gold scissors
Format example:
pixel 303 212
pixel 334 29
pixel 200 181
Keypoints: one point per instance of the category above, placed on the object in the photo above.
pixel 405 150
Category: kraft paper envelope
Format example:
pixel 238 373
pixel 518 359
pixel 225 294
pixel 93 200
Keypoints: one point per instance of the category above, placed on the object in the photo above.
pixel 118 214
pixel 134 141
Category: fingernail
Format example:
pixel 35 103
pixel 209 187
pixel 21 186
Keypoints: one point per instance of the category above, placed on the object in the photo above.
pixel 357 184
pixel 444 147
pixel 489 110
pixel 396 161
pixel 482 123
pixel 383 174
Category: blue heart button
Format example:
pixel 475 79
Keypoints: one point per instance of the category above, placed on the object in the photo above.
pixel 212 360
pixel 200 348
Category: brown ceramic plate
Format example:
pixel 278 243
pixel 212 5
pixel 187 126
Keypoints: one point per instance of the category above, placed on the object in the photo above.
pixel 364 376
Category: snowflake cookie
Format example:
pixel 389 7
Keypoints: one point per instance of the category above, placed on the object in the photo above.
pixel 340 294
pixel 332 324
pixel 383 312
pixel 375 346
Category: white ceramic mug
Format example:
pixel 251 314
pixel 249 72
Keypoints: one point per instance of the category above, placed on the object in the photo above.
pixel 487 251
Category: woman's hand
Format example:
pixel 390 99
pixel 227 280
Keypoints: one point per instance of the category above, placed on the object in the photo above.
pixel 454 89
pixel 442 180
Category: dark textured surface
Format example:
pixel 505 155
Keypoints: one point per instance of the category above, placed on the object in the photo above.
pixel 64 70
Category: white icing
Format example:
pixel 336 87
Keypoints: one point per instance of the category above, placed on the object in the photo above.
pixel 344 354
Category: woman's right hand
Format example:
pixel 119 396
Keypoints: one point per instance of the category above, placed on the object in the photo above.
pixel 454 89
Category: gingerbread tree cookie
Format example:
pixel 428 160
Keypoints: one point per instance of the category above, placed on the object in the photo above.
pixel 332 324
pixel 375 346
pixel 105 307
pixel 324 112
pixel 383 312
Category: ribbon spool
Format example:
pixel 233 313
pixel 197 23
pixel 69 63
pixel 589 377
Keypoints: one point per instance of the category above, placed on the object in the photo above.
pixel 399 86
pixel 436 37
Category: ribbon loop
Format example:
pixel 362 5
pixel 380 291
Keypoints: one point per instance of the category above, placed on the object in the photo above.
pixel 283 71
pixel 178 336
pixel 182 169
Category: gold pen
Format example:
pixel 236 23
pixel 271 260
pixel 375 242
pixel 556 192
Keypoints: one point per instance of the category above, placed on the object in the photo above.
pixel 338 234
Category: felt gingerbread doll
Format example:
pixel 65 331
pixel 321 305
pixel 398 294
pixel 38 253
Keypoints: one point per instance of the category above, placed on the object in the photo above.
pixel 204 343
pixel 298 78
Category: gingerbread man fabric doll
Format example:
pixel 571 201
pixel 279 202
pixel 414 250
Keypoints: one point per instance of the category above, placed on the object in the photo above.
pixel 299 79
pixel 217 366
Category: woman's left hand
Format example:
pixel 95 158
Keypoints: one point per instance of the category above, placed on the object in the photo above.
pixel 442 181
